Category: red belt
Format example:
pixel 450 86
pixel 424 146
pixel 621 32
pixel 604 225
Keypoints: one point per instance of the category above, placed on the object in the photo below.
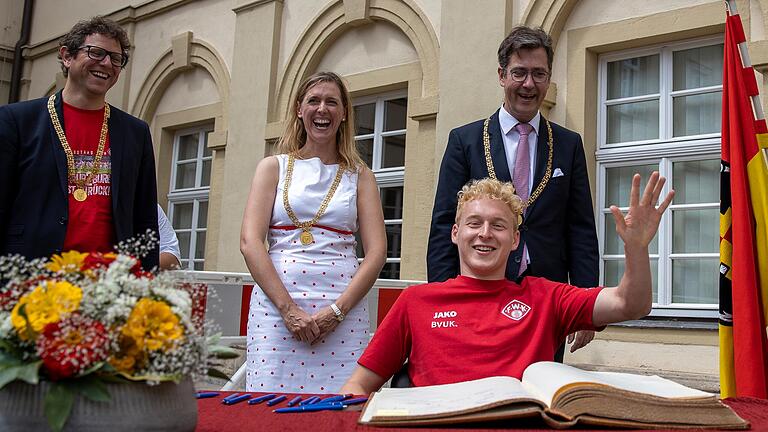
pixel 293 227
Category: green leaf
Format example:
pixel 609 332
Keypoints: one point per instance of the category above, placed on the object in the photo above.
pixel 7 348
pixel 30 372
pixel 25 372
pixel 215 373
pixel 94 389
pixel 222 352
pixel 58 405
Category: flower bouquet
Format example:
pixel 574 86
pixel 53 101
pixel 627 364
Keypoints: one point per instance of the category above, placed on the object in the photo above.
pixel 80 321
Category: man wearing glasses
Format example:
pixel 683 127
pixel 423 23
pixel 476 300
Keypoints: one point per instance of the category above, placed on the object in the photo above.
pixel 75 172
pixel 544 161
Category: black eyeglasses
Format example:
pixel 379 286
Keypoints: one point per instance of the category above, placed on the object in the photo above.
pixel 520 75
pixel 97 53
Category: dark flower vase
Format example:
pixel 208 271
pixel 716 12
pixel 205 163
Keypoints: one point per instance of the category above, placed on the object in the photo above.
pixel 133 407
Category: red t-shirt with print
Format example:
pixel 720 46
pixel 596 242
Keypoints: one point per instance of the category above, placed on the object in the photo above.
pixel 90 227
pixel 465 329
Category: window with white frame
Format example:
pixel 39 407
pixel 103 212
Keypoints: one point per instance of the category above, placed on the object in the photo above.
pixel 660 110
pixel 380 123
pixel 188 196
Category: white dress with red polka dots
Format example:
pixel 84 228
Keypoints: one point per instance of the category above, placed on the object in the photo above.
pixel 314 275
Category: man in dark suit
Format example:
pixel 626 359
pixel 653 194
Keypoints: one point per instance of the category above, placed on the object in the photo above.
pixel 546 163
pixel 76 173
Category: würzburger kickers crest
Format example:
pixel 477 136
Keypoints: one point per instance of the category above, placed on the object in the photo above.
pixel 515 310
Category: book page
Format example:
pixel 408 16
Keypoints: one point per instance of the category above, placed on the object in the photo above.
pixel 446 398
pixel 544 379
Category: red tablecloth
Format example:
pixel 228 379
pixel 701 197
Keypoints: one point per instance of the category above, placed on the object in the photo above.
pixel 215 416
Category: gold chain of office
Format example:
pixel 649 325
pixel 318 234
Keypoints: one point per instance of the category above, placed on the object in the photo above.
pixel 492 172
pixel 80 194
pixel 306 236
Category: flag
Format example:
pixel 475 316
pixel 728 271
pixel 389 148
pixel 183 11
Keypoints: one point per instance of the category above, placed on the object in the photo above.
pixel 743 228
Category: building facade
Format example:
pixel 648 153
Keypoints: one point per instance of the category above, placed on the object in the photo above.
pixel 641 82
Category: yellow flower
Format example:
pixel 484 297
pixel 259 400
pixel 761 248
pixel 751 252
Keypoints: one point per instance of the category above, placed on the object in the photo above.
pixel 152 325
pixel 68 262
pixel 46 304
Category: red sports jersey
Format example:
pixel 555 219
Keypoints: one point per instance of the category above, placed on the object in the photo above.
pixel 465 328
pixel 90 226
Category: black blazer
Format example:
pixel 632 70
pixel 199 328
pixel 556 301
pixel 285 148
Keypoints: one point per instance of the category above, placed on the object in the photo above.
pixel 559 227
pixel 33 180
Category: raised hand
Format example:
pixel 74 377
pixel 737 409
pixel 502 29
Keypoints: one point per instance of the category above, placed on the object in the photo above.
pixel 641 223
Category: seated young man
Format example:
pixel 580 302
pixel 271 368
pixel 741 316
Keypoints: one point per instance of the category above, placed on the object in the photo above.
pixel 480 324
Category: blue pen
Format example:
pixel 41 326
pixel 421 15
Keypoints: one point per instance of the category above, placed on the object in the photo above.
pixel 232 396
pixel 237 399
pixel 294 401
pixel 335 398
pixel 276 400
pixel 261 399
pixel 306 408
pixel 308 400
pixel 346 402
pixel 203 395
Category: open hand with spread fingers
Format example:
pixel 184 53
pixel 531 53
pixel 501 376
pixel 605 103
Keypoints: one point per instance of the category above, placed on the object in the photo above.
pixel 641 222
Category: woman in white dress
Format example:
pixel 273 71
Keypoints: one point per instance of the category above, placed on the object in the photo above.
pixel 307 323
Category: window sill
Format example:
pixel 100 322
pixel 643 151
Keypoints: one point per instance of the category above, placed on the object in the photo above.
pixel 670 323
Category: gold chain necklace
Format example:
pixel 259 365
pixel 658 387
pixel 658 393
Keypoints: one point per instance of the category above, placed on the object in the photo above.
pixel 492 172
pixel 306 236
pixel 79 193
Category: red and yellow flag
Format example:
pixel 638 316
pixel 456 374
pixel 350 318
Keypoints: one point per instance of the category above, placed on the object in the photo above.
pixel 743 229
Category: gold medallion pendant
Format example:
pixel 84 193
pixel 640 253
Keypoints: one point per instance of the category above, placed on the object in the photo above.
pixel 306 238
pixel 80 194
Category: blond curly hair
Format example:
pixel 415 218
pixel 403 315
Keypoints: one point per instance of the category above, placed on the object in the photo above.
pixel 492 189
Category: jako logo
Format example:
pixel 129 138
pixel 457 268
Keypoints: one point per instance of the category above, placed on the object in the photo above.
pixel 516 310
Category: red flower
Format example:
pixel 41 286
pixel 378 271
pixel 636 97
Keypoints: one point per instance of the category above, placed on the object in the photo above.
pixel 72 345
pixel 98 260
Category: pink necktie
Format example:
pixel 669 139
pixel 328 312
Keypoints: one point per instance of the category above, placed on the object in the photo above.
pixel 520 179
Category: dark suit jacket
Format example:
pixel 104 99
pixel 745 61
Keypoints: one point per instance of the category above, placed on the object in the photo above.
pixel 33 180
pixel 559 228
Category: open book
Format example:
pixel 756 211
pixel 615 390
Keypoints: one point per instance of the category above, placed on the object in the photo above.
pixel 562 395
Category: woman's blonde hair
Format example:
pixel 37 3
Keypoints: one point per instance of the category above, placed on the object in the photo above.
pixel 493 189
pixel 294 137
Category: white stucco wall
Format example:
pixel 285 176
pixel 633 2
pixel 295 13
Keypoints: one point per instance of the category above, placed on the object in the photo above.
pixel 191 89
pixel 367 48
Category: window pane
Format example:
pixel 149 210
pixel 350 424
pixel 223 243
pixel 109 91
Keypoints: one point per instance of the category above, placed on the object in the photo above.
pixel 394 151
pixel 696 231
pixel 614 269
pixel 395 114
pixel 365 148
pixel 199 265
pixel 187 147
pixel 633 121
pixel 613 243
pixel 185 175
pixel 200 245
pixel 696 114
pixel 618 182
pixel 206 177
pixel 390 271
pixel 206 150
pixel 183 244
pixel 633 77
pixel 695 281
pixel 182 216
pixel 698 67
pixel 202 215
pixel 393 240
pixel 365 116
pixel 696 181
pixel 392 201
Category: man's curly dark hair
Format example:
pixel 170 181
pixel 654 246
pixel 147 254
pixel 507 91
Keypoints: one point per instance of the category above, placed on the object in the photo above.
pixel 75 38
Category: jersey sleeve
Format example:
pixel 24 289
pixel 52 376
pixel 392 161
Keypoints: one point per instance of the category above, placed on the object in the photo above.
pixel 391 343
pixel 575 306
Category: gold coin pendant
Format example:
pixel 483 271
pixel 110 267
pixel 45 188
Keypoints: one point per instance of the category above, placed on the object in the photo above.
pixel 80 194
pixel 306 238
